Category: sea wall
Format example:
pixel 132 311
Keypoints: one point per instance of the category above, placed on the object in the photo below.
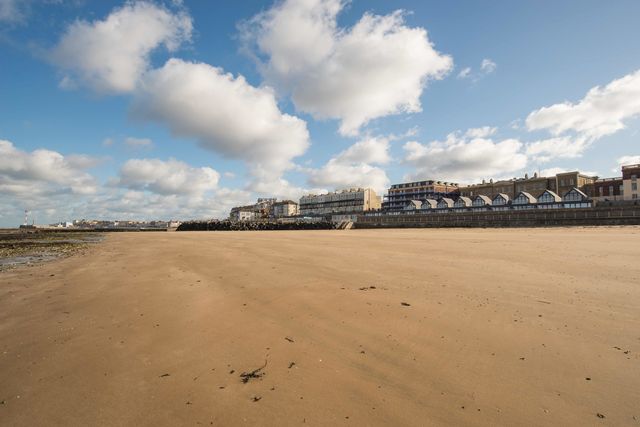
pixel 601 215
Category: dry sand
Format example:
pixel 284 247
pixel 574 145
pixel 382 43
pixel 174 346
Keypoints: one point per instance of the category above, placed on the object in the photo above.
pixel 505 327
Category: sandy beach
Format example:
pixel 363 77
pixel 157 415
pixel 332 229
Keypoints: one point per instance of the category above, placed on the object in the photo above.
pixel 514 327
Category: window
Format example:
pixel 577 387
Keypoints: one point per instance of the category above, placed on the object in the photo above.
pixel 634 186
pixel 634 196
pixel 600 191
pixel 611 190
pixel 621 189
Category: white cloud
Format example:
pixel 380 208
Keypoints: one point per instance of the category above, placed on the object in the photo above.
pixel 628 160
pixel 549 149
pixel 463 157
pixel 368 150
pixel 481 132
pixel 107 142
pixel 112 54
pixel 117 203
pixel 488 66
pixel 167 177
pixel 552 171
pixel 336 175
pixel 376 68
pixel 464 73
pixel 42 172
pixel 132 142
pixel 225 114
pixel 603 111
pixel 56 187
pixel 353 167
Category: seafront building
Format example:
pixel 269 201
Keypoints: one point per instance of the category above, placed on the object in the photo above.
pixel 624 187
pixel 283 209
pixel 611 189
pixel 243 213
pixel 400 195
pixel 630 175
pixel 260 209
pixel 534 185
pixel 354 200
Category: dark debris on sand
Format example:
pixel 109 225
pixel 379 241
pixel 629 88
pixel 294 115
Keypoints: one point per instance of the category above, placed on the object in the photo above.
pixel 253 375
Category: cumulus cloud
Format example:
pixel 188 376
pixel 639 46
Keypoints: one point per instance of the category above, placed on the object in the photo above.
pixel 225 114
pixel 167 177
pixel 337 175
pixel 368 150
pixel 376 68
pixel 545 150
pixel 137 204
pixel 132 142
pixel 465 157
pixel 603 111
pixel 481 132
pixel 354 167
pixel 111 55
pixel 39 172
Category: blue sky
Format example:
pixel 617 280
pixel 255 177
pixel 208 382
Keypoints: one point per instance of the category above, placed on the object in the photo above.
pixel 154 110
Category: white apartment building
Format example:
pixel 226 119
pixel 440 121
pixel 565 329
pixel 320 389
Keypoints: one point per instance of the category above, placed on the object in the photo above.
pixel 284 208
pixel 344 201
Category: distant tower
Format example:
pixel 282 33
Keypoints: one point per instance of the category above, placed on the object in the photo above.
pixel 26 215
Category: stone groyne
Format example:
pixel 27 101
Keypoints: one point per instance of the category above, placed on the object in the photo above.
pixel 227 225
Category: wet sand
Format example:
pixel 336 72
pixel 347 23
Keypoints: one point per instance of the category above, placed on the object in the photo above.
pixel 19 247
pixel 498 327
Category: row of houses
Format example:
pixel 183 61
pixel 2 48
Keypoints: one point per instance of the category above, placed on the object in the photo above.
pixel 535 185
pixel 574 198
pixel 623 187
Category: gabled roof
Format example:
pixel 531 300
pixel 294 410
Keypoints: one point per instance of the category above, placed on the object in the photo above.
pixel 445 202
pixel 549 197
pixel 524 195
pixel 429 204
pixel 582 194
pixel 463 201
pixel 500 199
pixel 413 204
pixel 482 200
